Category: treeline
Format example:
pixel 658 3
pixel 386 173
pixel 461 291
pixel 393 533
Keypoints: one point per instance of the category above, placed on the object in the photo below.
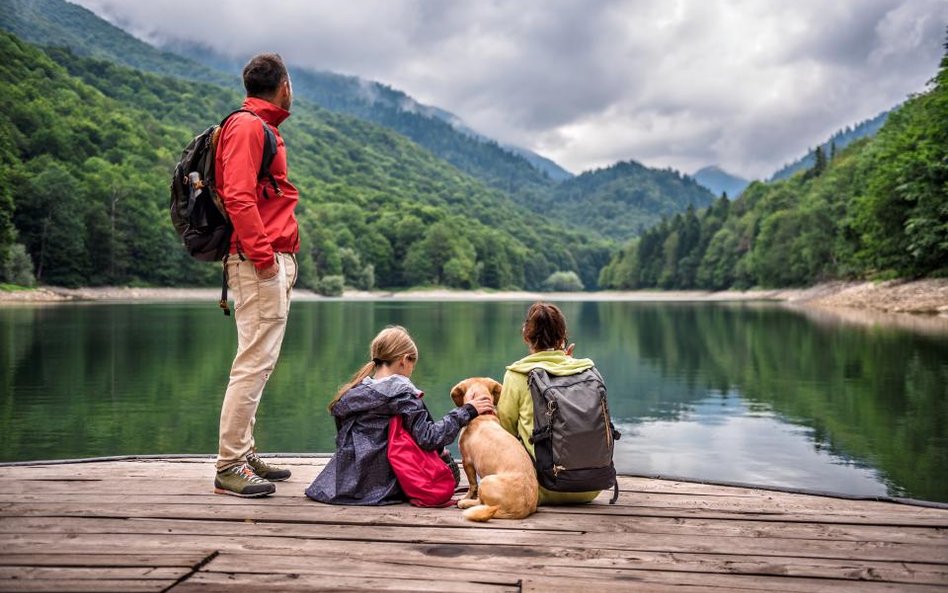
pixel 87 147
pixel 837 141
pixel 878 209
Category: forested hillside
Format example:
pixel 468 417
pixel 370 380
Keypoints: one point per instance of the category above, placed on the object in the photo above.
pixel 623 200
pixel 837 141
pixel 88 147
pixel 57 23
pixel 877 209
pixel 639 200
pixel 397 197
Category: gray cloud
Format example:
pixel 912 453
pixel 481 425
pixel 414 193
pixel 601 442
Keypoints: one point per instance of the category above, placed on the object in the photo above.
pixel 746 84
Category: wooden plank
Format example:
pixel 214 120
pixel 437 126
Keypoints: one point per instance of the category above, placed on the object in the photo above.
pixel 194 494
pixel 868 550
pixel 382 559
pixel 550 519
pixel 672 583
pixel 817 558
pixel 211 523
pixel 84 573
pixel 266 507
pixel 933 549
pixel 631 581
pixel 211 582
pixel 99 586
pixel 78 559
pixel 292 492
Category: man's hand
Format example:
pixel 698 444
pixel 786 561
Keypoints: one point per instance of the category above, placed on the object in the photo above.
pixel 267 273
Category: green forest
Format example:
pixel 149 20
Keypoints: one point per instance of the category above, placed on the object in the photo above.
pixel 395 199
pixel 87 151
pixel 876 209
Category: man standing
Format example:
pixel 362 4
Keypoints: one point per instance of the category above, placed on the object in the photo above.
pixel 261 267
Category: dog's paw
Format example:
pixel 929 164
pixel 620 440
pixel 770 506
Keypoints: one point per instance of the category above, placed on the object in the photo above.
pixel 466 503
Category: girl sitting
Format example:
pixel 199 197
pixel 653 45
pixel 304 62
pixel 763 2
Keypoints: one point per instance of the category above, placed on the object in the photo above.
pixel 359 472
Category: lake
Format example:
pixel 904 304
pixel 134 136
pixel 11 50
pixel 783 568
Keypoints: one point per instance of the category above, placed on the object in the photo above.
pixel 741 392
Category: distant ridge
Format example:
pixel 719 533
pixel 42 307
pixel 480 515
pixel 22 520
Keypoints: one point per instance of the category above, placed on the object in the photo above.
pixel 837 141
pixel 720 181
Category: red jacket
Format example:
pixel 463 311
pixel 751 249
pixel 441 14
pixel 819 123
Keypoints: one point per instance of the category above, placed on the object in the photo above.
pixel 262 225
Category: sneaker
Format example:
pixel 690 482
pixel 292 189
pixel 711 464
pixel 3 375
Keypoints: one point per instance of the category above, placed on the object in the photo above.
pixel 265 470
pixel 239 480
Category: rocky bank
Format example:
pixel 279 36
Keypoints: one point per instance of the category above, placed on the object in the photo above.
pixel 921 296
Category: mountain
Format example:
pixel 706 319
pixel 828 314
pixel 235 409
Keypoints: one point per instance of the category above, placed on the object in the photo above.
pixel 58 23
pixel 364 98
pixel 876 210
pixel 88 145
pixel 623 200
pixel 505 167
pixel 837 141
pixel 719 181
pixel 385 177
pixel 61 24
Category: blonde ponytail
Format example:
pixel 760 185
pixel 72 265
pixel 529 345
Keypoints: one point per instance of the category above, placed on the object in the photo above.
pixel 357 378
pixel 389 345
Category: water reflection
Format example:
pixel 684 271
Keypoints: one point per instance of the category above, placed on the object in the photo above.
pixel 725 438
pixel 746 393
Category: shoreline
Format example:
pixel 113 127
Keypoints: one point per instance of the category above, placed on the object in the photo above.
pixel 924 297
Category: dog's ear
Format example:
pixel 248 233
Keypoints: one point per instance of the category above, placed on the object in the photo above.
pixel 495 389
pixel 457 393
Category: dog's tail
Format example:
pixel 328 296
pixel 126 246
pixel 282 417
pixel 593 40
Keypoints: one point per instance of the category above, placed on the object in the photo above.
pixel 481 512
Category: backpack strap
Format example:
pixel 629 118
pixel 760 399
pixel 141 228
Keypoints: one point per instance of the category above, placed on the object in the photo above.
pixel 269 152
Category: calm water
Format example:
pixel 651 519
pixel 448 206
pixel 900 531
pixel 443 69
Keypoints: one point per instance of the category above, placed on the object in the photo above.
pixel 747 393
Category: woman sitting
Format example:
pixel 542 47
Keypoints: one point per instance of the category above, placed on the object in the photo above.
pixel 544 333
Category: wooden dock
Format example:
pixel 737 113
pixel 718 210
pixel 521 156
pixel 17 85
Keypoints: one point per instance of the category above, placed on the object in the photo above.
pixel 155 525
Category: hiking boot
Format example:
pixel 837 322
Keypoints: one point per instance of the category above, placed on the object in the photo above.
pixel 265 470
pixel 239 480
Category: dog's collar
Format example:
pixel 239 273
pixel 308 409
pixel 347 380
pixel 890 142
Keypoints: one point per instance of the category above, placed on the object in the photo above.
pixel 491 413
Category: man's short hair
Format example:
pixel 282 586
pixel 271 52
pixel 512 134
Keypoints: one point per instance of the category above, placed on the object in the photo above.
pixel 263 75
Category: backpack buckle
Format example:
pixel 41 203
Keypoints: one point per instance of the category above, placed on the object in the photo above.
pixel 551 407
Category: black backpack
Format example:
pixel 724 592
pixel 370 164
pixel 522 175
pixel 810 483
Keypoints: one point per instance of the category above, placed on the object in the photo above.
pixel 197 213
pixel 573 435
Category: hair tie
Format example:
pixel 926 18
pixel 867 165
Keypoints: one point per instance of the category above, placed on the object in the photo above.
pixel 377 361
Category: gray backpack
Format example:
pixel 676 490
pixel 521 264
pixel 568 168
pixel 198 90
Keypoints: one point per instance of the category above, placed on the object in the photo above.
pixel 573 435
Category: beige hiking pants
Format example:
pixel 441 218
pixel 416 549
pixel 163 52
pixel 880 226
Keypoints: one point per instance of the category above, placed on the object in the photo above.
pixel 260 310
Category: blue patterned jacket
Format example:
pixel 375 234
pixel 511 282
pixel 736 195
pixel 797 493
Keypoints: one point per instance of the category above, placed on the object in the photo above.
pixel 359 472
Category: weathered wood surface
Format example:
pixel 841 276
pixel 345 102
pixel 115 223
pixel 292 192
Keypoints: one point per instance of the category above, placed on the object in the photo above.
pixel 155 525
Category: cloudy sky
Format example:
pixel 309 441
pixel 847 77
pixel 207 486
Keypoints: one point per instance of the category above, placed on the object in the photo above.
pixel 746 84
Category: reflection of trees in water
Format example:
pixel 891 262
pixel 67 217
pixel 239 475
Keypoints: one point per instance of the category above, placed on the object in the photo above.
pixel 869 392
pixel 875 393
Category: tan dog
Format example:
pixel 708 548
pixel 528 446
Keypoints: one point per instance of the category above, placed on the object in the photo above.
pixel 508 487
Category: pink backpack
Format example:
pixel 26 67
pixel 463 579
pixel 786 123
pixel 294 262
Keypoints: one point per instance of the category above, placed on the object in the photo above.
pixel 424 477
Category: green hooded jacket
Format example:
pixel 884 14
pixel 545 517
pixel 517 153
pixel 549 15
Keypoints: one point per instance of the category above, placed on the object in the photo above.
pixel 515 407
